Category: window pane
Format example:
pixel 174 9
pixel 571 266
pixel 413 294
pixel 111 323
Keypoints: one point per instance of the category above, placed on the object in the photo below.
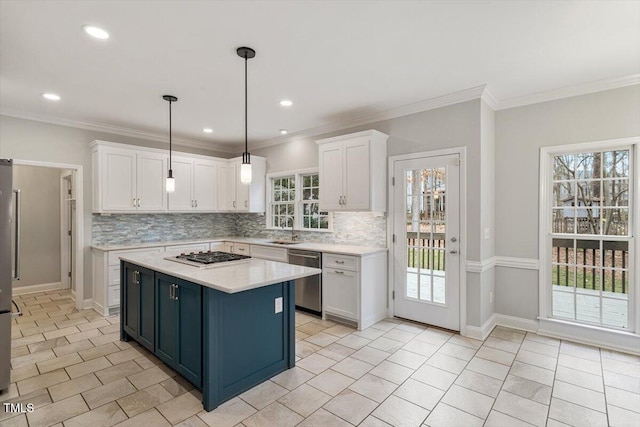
pixel 588 252
pixel 315 194
pixel 563 220
pixel 588 165
pixel 563 167
pixel 616 193
pixel 564 194
pixel 306 194
pixel 614 312
pixel 616 163
pixel 563 304
pixel 563 251
pixel 306 181
pixel 315 180
pixel 615 222
pixel 588 307
pixel 588 221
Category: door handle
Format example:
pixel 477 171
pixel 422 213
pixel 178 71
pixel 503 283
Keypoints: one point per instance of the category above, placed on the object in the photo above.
pixel 16 274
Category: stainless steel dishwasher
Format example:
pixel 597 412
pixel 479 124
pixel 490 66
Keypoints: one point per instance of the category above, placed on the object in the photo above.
pixel 308 289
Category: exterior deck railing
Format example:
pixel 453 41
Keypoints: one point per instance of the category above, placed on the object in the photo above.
pixel 426 251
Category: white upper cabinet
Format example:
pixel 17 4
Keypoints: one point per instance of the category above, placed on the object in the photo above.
pixel 205 186
pixel 248 197
pixel 127 180
pixel 132 179
pixel 352 171
pixel 196 185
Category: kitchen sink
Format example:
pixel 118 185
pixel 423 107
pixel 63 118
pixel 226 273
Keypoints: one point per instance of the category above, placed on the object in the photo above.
pixel 283 242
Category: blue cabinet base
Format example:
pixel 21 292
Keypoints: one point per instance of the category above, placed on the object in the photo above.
pixel 244 340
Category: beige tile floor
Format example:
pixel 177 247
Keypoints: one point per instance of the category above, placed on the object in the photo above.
pixel 72 367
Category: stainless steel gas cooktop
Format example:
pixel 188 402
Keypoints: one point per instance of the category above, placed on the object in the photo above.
pixel 209 259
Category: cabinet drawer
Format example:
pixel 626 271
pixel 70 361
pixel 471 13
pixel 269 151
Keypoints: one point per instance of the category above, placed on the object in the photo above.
pixel 342 262
pixel 340 293
pixel 179 249
pixel 114 257
pixel 114 275
pixel 242 248
pixel 113 296
pixel 216 246
pixel 266 252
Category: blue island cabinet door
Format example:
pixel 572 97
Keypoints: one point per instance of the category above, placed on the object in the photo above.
pixel 166 319
pixel 189 351
pixel 146 315
pixel 131 301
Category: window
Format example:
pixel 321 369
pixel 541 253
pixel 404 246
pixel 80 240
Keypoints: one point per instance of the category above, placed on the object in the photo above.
pixel 293 200
pixel 589 208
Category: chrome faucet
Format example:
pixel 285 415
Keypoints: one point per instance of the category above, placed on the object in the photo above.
pixel 294 236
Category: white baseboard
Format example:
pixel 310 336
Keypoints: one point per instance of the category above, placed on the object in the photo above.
pixel 516 322
pixel 482 332
pixel 21 290
pixel 88 303
pixel 99 308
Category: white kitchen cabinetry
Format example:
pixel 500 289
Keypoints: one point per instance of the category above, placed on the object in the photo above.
pixel 185 249
pixel 352 170
pixel 247 197
pixel 106 278
pixel 354 289
pixel 270 253
pixel 196 186
pixel 128 180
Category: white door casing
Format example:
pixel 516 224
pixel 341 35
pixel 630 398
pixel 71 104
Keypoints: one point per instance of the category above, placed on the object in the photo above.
pixel 426 268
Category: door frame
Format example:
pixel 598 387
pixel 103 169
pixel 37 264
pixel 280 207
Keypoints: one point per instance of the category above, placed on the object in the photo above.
pixel 66 259
pixel 78 241
pixel 460 151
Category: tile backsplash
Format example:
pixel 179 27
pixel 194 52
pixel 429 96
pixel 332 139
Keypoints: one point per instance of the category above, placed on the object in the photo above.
pixel 363 229
pixel 123 229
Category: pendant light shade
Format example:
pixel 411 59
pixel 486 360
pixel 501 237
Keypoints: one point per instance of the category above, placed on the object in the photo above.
pixel 245 168
pixel 171 182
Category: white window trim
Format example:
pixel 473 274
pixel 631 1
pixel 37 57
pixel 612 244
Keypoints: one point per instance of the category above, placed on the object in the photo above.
pixel 297 173
pixel 624 340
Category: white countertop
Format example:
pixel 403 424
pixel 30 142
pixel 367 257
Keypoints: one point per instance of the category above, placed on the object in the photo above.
pixel 308 246
pixel 237 277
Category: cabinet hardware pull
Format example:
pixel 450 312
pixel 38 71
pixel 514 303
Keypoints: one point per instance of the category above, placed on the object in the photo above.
pixel 339 262
pixel 134 202
pixel 175 293
pixel 136 277
pixel 234 203
pixel 171 292
pixel 196 203
pixel 192 204
pixel 339 272
pixel 453 252
pixel 246 203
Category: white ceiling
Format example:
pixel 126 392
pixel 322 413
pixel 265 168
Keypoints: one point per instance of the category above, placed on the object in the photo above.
pixel 335 60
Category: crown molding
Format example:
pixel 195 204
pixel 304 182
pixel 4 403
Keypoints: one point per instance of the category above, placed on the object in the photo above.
pixel 404 110
pixel 117 130
pixel 489 99
pixel 569 91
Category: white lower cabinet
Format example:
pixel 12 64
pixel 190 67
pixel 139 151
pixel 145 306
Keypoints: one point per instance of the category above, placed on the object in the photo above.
pixel 185 249
pixel 354 289
pixel 270 253
pixel 341 293
pixel 106 278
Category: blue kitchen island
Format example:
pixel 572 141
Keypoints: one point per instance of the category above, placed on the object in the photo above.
pixel 225 329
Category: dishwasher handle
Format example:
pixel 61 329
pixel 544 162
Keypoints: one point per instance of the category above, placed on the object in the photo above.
pixel 305 256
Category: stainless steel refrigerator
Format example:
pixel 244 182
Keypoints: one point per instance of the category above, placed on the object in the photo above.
pixel 9 265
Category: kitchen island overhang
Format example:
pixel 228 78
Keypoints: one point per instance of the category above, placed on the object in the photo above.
pixel 225 329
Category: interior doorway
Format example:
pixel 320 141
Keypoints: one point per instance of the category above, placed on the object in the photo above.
pixel 69 246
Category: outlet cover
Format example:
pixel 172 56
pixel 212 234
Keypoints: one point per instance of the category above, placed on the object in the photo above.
pixel 279 305
pixel 487 233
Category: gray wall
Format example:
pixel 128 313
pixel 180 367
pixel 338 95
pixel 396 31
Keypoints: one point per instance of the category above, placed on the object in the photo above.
pixel 30 140
pixel 520 133
pixel 456 125
pixel 40 224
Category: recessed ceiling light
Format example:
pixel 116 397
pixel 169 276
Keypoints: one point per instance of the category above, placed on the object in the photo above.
pixel 51 96
pixel 286 103
pixel 96 32
pixel 207 130
pixel 283 131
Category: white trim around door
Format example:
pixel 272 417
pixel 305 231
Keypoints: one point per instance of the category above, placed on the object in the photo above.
pixel 78 241
pixel 461 152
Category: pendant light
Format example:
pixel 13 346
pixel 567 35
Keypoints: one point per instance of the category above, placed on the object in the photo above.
pixel 245 168
pixel 171 182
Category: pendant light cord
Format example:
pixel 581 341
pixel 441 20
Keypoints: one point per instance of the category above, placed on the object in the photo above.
pixel 169 135
pixel 246 143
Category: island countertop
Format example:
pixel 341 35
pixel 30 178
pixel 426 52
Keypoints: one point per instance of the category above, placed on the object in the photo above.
pixel 233 278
